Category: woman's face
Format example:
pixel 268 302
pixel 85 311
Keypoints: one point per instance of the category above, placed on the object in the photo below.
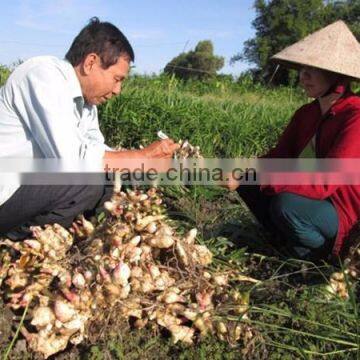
pixel 315 82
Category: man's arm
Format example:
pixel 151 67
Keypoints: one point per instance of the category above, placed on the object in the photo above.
pixel 157 150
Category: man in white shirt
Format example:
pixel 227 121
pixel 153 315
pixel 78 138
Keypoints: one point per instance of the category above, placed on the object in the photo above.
pixel 48 110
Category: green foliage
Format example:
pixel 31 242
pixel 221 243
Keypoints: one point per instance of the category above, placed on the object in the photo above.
pixel 4 74
pixel 347 10
pixel 280 23
pixel 200 63
pixel 225 119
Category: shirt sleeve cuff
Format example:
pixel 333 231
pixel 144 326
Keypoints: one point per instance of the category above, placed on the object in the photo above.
pixel 92 151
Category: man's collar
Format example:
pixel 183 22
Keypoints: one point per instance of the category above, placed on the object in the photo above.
pixel 74 83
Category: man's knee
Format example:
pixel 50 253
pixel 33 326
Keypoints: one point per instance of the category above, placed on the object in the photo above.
pixel 72 199
pixel 77 199
pixel 88 196
pixel 40 205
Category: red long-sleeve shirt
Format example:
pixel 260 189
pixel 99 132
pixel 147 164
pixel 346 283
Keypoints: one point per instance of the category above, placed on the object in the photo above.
pixel 337 136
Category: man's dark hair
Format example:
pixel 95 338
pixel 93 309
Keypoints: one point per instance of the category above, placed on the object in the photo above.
pixel 103 39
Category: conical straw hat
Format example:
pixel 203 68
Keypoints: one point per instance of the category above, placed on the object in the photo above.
pixel 333 48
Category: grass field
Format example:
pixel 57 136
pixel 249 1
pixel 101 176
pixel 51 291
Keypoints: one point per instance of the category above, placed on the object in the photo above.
pixel 289 309
pixel 223 118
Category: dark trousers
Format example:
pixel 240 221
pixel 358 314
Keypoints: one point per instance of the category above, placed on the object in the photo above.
pixel 43 204
pixel 307 227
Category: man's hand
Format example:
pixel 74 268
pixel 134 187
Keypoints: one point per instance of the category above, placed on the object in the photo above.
pixel 160 149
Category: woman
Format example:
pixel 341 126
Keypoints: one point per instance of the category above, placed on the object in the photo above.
pixel 314 220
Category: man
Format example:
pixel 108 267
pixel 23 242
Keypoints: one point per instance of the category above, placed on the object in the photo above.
pixel 48 110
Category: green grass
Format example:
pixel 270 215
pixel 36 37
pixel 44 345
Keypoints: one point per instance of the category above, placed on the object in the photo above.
pixel 288 308
pixel 226 121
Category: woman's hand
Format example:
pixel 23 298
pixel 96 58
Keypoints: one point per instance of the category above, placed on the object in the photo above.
pixel 231 184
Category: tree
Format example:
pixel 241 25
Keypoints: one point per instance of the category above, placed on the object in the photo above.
pixel 347 10
pixel 200 63
pixel 279 23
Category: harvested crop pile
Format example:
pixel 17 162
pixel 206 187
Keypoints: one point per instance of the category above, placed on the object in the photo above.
pixel 134 262
pixel 134 265
pixel 340 282
pixel 185 150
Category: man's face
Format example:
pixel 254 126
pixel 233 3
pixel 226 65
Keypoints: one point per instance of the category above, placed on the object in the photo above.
pixel 102 84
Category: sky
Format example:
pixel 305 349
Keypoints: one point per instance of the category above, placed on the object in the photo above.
pixel 157 29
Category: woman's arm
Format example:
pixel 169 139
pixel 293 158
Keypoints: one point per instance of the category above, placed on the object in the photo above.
pixel 346 145
pixel 301 126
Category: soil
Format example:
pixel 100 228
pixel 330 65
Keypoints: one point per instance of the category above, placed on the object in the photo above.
pixel 5 324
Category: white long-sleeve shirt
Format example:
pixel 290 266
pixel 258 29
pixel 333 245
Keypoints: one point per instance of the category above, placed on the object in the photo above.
pixel 43 115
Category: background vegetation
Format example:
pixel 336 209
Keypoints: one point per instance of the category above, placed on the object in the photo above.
pixel 200 63
pixel 278 23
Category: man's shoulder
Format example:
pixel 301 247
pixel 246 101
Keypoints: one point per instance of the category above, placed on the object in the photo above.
pixel 41 64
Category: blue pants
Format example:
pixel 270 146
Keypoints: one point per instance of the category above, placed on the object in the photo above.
pixel 308 227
